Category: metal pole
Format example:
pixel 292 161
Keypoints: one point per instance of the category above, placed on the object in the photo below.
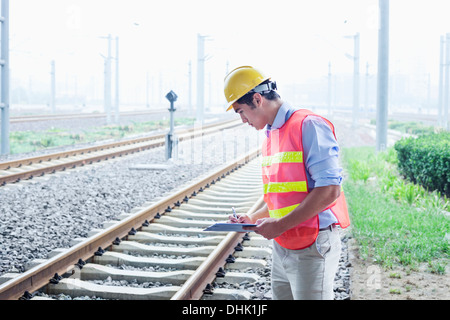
pixel 147 83
pixel 53 86
pixel 117 115
pixel 356 80
pixel 441 81
pixel 190 87
pixel 208 108
pixel 329 89
pixel 107 91
pixel 200 77
pixel 428 93
pixel 366 92
pixel 383 76
pixel 171 139
pixel 160 84
pixel 447 81
pixel 171 110
pixel 108 80
pixel 169 136
pixel 4 104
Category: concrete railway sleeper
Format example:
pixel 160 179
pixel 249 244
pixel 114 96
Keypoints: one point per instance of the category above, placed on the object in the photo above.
pixel 170 257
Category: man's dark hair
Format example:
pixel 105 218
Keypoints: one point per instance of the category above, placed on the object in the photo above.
pixel 248 98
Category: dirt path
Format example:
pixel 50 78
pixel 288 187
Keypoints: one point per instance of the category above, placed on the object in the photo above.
pixel 368 280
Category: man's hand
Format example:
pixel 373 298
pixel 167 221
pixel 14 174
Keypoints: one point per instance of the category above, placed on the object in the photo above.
pixel 251 218
pixel 240 219
pixel 269 228
pixel 316 201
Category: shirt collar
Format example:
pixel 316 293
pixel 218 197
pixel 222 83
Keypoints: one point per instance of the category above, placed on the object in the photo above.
pixel 280 118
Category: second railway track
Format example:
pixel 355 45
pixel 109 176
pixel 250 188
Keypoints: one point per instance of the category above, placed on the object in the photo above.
pixel 27 168
pixel 160 251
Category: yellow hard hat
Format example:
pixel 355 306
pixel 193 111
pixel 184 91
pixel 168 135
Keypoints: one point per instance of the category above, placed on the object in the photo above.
pixel 240 81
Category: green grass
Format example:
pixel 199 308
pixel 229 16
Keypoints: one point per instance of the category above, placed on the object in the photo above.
pixel 411 127
pixel 29 141
pixel 393 221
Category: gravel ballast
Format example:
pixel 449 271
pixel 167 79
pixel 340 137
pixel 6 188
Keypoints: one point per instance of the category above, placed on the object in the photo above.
pixel 43 214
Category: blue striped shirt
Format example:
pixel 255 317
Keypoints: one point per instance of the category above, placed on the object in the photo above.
pixel 320 150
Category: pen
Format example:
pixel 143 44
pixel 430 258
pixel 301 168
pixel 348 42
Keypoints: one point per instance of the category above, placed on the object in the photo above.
pixel 234 212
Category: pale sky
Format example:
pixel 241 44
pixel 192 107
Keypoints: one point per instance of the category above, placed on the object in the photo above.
pixel 291 40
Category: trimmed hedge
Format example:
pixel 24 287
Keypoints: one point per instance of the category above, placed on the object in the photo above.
pixel 426 160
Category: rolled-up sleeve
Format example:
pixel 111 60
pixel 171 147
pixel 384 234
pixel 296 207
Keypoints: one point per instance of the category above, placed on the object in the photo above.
pixel 321 153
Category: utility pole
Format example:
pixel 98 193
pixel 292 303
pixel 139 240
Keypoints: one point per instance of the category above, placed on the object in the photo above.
pixel 147 84
pixel 209 92
pixel 107 83
pixel 441 81
pixel 447 81
pixel 190 86
pixel 356 81
pixel 329 89
pixel 200 78
pixel 355 59
pixel 4 62
pixel 383 76
pixel 428 93
pixel 53 86
pixel 366 92
pixel 117 115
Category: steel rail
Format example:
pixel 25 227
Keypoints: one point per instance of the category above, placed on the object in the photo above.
pixel 58 155
pixel 62 116
pixel 205 273
pixel 39 276
pixel 116 149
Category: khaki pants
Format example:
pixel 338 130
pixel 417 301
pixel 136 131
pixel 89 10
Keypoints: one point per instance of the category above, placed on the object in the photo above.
pixel 306 274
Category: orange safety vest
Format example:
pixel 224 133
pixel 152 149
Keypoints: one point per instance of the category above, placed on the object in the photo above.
pixel 286 185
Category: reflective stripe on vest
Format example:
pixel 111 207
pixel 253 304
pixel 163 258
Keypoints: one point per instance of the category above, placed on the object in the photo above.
pixel 279 187
pixel 283 157
pixel 279 213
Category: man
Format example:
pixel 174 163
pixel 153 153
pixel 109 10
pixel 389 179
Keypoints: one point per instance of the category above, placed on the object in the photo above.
pixel 302 180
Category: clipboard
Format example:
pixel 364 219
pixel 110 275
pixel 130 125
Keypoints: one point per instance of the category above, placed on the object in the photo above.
pixel 236 227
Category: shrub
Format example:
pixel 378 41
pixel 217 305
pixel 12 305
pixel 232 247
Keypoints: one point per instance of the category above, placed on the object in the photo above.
pixel 426 160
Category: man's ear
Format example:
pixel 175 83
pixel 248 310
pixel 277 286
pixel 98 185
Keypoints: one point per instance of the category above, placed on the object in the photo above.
pixel 257 99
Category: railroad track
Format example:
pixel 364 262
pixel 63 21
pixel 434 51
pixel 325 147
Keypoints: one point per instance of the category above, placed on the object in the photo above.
pixel 16 170
pixel 68 116
pixel 165 234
